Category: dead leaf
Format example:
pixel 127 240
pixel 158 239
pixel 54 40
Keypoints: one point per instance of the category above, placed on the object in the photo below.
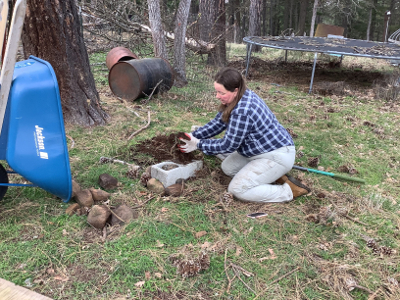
pixel 164 209
pixel 50 271
pixel 64 232
pixel 61 278
pixel 263 258
pixel 147 275
pixel 200 234
pixel 248 230
pixel 159 244
pixel 205 245
pixel 139 283
pixel 238 251
pixel 300 148
pixel 157 275
pixel 271 251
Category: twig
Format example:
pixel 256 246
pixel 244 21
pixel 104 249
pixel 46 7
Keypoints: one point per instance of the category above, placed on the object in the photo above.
pixel 283 276
pixel 145 101
pixel 119 218
pixel 372 297
pixel 245 272
pixel 104 160
pixel 72 140
pixel 143 203
pixel 143 128
pixel 181 228
pixel 347 216
pixel 230 283
pixel 226 272
pixel 104 232
pixel 238 276
pixel 356 221
pixel 363 288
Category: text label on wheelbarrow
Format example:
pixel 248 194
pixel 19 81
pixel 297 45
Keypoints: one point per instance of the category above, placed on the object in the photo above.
pixel 39 140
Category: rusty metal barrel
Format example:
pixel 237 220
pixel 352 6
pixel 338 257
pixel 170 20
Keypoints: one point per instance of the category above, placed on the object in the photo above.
pixel 118 54
pixel 136 78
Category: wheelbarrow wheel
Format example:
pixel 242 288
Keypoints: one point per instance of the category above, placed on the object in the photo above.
pixel 3 179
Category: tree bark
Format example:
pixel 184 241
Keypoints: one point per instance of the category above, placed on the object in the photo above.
pixel 373 21
pixel 255 20
pixel 314 16
pixel 52 32
pixel 302 16
pixel 179 44
pixel 272 17
pixel 286 15
pixel 157 31
pixel 212 27
pixel 237 37
pixel 369 24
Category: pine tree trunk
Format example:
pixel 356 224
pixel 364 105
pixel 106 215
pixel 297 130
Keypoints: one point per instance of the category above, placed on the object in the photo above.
pixel 264 18
pixel 157 30
pixel 272 17
pixel 314 16
pixel 369 24
pixel 179 43
pixel 373 21
pixel 237 37
pixel 212 25
pixel 302 16
pixel 291 14
pixel 255 20
pixel 286 15
pixel 52 32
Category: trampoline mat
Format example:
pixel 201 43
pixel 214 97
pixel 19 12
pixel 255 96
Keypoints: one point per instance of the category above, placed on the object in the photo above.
pixel 340 46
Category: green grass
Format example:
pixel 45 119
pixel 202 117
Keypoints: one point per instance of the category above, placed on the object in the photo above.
pixel 64 258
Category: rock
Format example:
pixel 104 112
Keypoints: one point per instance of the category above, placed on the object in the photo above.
pixel 106 181
pixel 155 186
pixel 176 189
pixel 84 198
pixel 99 195
pixel 75 188
pixel 72 209
pixel 83 211
pixel 124 212
pixel 98 216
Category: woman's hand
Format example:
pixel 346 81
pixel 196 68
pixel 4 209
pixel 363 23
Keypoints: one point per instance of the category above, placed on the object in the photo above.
pixel 190 144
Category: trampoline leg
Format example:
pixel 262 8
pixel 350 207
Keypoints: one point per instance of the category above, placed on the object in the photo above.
pixel 285 56
pixel 249 46
pixel 313 71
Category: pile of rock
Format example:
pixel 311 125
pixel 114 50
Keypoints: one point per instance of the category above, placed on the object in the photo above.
pixel 93 203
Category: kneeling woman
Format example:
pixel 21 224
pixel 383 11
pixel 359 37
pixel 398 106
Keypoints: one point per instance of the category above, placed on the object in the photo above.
pixel 262 149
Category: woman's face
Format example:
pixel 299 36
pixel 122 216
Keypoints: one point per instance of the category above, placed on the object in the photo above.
pixel 223 95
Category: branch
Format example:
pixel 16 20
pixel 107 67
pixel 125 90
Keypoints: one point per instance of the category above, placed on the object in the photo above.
pixel 283 276
pixel 141 129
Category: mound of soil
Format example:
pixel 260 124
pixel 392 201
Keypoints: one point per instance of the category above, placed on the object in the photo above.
pixel 165 148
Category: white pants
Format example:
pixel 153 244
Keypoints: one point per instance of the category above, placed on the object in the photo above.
pixel 252 176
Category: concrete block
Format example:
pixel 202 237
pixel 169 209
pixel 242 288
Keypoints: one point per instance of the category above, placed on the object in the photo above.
pixel 169 177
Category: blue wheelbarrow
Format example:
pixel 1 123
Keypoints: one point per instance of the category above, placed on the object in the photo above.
pixel 32 139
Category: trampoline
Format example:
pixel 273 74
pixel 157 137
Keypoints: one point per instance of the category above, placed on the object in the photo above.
pixel 334 45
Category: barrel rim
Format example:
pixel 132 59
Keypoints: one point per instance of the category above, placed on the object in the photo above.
pixel 111 58
pixel 140 80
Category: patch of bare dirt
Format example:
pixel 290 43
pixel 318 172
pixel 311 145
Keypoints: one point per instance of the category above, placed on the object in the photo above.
pixel 330 78
pixel 164 148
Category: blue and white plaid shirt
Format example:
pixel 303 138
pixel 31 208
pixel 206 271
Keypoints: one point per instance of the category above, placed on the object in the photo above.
pixel 252 130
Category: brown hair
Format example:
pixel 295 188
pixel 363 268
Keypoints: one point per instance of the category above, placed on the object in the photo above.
pixel 231 79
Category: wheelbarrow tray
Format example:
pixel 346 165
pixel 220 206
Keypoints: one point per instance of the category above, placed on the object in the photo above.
pixel 36 143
